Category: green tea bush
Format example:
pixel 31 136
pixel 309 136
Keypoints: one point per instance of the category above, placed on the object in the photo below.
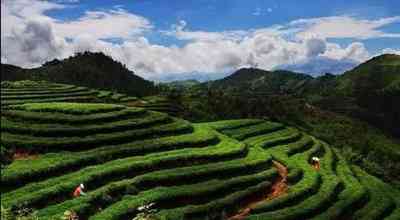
pixel 129 157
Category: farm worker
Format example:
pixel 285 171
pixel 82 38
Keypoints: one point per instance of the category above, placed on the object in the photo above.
pixel 79 190
pixel 145 208
pixel 315 162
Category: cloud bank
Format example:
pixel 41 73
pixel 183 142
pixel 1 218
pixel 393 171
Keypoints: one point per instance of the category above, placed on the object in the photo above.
pixel 29 38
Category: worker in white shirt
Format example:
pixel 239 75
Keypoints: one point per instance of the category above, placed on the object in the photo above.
pixel 315 162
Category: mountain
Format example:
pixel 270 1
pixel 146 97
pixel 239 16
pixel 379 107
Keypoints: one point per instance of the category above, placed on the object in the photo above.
pixel 258 80
pixel 182 84
pixel 356 112
pixel 370 91
pixel 198 76
pixel 317 65
pixel 11 72
pixel 374 75
pixel 94 70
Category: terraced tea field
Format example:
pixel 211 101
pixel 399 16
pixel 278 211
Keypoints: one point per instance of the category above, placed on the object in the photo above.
pixel 128 157
pixel 335 191
pixel 160 104
pixel 45 92
pixel 114 97
pixel 21 92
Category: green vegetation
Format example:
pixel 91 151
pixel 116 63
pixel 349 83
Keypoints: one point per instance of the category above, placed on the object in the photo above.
pixel 26 91
pixel 68 108
pixel 190 171
pixel 21 214
pixel 94 70
pixel 357 112
pixel 128 155
pixel 381 203
pixel 21 92
pixel 110 96
pixel 162 104
pixel 5 156
pixel 333 192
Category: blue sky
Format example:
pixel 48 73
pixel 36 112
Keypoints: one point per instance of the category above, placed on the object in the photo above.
pixel 221 15
pixel 163 38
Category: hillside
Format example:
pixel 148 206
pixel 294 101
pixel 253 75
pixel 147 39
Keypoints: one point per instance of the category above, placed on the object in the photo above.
pixel 199 110
pixel 26 91
pixel 21 92
pixel 318 106
pixel 9 72
pixel 94 70
pixel 258 80
pixel 371 92
pixel 181 84
pixel 130 157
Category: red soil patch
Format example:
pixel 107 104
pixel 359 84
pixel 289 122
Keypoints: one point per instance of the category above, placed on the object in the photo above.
pixel 278 188
pixel 24 155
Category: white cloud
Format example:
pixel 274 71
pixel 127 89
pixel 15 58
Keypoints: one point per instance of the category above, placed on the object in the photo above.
pixel 259 11
pixel 67 1
pixel 35 43
pixel 104 24
pixel 391 51
pixel 27 35
pixel 315 47
pixel 16 14
pixel 355 51
pixel 180 32
pixel 344 27
pixel 29 38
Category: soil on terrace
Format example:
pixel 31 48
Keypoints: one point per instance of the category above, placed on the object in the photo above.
pixel 278 188
pixel 24 155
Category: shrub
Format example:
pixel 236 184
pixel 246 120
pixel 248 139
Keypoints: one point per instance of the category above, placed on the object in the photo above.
pixel 6 156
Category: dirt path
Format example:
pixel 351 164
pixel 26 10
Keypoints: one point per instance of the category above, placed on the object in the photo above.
pixel 278 188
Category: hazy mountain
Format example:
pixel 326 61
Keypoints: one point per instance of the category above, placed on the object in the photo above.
pixel 182 84
pixel 319 65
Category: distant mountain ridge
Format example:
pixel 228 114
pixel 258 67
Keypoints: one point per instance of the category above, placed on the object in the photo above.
pixel 198 76
pixel 94 70
pixel 370 91
pixel 182 84
pixel 279 81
